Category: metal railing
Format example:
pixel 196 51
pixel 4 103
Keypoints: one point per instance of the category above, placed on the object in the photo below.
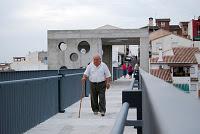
pixel 17 75
pixel 131 98
pixel 166 109
pixel 121 120
pixel 27 102
pixel 161 108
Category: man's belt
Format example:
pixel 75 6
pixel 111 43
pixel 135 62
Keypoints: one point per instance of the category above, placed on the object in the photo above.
pixel 98 82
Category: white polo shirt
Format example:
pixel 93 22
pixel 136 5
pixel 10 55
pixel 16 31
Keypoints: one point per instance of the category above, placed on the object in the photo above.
pixel 97 74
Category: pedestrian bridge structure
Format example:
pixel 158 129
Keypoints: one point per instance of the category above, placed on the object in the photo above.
pixel 88 123
pixel 41 102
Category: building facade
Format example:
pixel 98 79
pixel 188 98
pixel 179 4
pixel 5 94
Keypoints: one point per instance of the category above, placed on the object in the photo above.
pixel 33 61
pixel 5 67
pixel 75 48
pixel 167 42
pixel 179 68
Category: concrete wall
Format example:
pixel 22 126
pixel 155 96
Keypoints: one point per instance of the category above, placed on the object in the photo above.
pixel 58 58
pixel 194 71
pixel 33 61
pixel 144 53
pixel 181 80
pixel 24 65
pixel 190 29
pixel 157 66
pixel 197 44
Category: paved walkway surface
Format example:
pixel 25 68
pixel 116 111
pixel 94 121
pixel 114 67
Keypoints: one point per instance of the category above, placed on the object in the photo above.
pixel 88 123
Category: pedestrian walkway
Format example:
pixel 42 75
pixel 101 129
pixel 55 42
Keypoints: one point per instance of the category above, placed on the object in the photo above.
pixel 88 123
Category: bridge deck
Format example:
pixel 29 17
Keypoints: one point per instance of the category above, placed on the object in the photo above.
pixel 69 123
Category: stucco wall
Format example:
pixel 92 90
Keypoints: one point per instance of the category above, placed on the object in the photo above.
pixel 167 42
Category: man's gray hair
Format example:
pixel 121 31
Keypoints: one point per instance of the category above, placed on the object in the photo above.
pixel 96 55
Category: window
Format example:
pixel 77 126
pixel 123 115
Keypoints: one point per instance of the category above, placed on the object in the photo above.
pixel 63 68
pixel 84 47
pixel 62 46
pixel 74 57
pixel 181 71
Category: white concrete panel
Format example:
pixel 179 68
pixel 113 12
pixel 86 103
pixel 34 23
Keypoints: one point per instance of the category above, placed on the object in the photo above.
pixel 144 54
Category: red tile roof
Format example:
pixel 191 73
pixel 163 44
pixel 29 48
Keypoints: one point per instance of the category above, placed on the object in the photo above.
pixel 164 74
pixel 181 55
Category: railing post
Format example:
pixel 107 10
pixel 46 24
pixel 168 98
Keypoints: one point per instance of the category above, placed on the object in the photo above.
pixel 134 98
pixel 60 94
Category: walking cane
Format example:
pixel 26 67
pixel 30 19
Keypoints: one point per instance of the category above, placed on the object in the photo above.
pixel 82 94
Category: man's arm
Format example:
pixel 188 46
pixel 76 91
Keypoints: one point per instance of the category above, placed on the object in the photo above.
pixel 85 75
pixel 108 80
pixel 108 77
pixel 84 78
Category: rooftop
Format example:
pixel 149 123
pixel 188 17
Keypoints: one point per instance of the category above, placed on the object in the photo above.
pixel 164 74
pixel 181 55
pixel 108 27
pixel 164 19
pixel 174 27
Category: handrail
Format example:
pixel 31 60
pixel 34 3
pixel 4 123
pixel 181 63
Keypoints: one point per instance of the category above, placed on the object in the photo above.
pixel 40 95
pixel 167 110
pixel 118 127
pixel 131 86
pixel 40 78
pixel 67 75
pixel 32 79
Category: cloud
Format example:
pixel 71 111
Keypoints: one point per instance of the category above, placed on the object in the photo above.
pixel 24 23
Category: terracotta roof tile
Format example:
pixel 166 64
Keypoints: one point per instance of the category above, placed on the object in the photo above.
pixel 181 55
pixel 164 74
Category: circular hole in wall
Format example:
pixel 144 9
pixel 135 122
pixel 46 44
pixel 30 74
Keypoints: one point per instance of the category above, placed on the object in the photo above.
pixel 73 56
pixel 62 46
pixel 63 68
pixel 84 47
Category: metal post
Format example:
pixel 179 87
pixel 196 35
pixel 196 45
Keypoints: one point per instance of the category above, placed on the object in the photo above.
pixel 60 94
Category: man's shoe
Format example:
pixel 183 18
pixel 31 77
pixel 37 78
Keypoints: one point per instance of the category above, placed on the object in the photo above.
pixel 95 113
pixel 102 114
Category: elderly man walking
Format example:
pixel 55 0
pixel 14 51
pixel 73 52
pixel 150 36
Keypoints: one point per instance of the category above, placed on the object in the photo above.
pixel 99 77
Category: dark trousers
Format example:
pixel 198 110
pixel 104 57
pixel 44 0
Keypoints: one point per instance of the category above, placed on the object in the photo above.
pixel 97 96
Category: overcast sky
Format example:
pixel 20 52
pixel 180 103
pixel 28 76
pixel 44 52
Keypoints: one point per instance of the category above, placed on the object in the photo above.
pixel 24 23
